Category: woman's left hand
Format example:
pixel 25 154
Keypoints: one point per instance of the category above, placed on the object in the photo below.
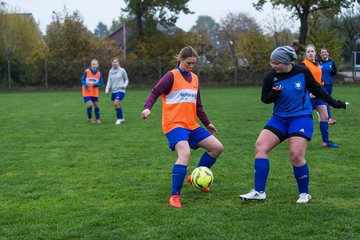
pixel 211 128
pixel 278 88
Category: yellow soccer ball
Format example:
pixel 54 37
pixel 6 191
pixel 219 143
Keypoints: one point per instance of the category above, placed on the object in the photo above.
pixel 202 177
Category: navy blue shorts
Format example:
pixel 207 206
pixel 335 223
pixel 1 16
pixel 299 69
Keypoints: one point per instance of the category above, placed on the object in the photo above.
pixel 91 99
pixel 316 102
pixel 285 127
pixel 182 134
pixel 118 96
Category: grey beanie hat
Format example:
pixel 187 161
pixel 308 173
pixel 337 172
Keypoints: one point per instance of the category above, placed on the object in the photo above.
pixel 284 54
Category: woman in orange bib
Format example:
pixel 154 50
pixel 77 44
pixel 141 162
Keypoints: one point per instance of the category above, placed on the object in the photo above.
pixel 319 105
pixel 91 80
pixel 181 105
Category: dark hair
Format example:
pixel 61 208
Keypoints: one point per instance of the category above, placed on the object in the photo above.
pixel 324 48
pixel 185 53
pixel 115 58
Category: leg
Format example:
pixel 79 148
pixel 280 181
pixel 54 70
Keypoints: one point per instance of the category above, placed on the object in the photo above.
pixel 179 171
pixel 97 111
pixel 298 146
pixel 322 110
pixel 328 110
pixel 213 146
pixel 324 126
pixel 118 109
pixel 89 110
pixel 183 151
pixel 329 90
pixel 266 141
pixel 213 149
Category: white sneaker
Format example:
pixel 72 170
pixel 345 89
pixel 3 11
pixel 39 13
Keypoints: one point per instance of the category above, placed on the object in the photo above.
pixel 304 198
pixel 253 195
pixel 118 121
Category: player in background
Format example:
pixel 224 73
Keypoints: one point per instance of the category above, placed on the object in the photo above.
pixel 117 82
pixel 181 105
pixel 318 104
pixel 287 86
pixel 91 80
pixel 329 70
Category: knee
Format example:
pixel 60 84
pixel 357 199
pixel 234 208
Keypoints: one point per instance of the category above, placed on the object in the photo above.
pixel 184 156
pixel 116 104
pixel 296 158
pixel 260 147
pixel 218 149
pixel 324 115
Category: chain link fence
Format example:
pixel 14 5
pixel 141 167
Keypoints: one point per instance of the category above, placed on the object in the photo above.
pixel 66 73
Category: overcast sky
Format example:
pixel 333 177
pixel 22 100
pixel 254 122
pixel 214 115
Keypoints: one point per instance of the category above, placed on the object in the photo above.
pixel 107 10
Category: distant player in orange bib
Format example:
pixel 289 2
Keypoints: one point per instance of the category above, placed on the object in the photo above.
pixel 91 80
pixel 181 105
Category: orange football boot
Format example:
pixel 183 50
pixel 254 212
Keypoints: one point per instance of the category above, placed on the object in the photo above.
pixel 174 201
pixel 203 189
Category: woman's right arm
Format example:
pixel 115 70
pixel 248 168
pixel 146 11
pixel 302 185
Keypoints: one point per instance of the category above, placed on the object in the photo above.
pixel 83 80
pixel 162 87
pixel 269 94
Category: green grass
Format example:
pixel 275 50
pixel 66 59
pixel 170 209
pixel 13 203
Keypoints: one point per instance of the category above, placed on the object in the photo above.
pixel 62 178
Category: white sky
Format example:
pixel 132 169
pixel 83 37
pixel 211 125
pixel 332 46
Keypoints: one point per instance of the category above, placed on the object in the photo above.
pixel 105 11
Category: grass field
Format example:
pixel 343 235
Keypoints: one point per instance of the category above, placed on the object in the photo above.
pixel 63 178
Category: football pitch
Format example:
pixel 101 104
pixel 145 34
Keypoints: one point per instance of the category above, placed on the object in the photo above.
pixel 64 178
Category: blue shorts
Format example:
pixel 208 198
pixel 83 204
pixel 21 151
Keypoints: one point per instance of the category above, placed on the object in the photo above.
pixel 91 99
pixel 118 96
pixel 285 127
pixel 192 136
pixel 316 102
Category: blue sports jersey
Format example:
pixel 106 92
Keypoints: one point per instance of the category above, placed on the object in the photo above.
pixel 328 69
pixel 294 99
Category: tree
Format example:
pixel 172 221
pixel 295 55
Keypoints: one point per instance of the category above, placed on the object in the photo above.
pixel 348 25
pixel 322 34
pixel 278 27
pixel 256 49
pixel 157 57
pixel 303 8
pixel 71 48
pixel 101 30
pixel 115 24
pixel 238 23
pixel 205 23
pixel 152 12
pixel 206 29
pixel 21 44
pixel 233 27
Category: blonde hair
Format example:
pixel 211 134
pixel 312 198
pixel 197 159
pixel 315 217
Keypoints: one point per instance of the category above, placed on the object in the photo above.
pixel 307 46
pixel 185 53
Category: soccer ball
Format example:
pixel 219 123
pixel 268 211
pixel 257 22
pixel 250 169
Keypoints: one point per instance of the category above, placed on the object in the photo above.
pixel 202 177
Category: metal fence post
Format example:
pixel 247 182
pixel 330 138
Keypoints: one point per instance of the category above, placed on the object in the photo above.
pixel 9 71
